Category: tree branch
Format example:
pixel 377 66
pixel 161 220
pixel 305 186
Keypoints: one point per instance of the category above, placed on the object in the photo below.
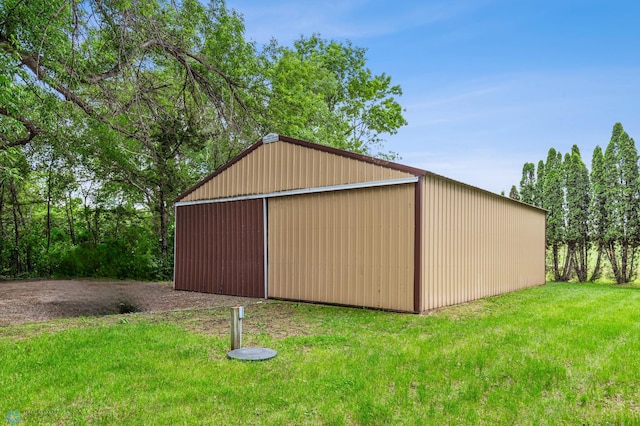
pixel 32 131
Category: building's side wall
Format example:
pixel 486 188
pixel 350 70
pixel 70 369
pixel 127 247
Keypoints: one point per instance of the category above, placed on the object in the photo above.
pixel 350 247
pixel 220 248
pixel 281 166
pixel 477 244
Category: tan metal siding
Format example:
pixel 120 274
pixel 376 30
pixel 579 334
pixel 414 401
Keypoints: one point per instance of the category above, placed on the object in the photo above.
pixel 220 248
pixel 281 166
pixel 348 247
pixel 477 244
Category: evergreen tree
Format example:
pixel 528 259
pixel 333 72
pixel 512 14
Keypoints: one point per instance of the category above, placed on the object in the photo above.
pixel 622 202
pixel 538 195
pixel 513 194
pixel 598 212
pixel 528 184
pixel 553 200
pixel 577 203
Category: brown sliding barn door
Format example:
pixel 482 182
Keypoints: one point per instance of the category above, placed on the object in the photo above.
pixel 220 248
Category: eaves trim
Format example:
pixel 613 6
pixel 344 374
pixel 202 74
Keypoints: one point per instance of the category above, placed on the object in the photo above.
pixel 302 191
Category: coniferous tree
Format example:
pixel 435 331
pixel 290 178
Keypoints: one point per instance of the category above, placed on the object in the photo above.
pixel 528 183
pixel 598 211
pixel 513 194
pixel 538 196
pixel 553 200
pixel 622 202
pixel 577 210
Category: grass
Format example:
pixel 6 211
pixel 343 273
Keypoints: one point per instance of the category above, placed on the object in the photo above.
pixel 557 354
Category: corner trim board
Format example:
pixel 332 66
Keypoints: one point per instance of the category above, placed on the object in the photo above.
pixel 417 249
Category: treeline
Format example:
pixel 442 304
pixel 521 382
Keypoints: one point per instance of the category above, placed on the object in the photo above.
pixel 53 223
pixel 593 220
pixel 109 110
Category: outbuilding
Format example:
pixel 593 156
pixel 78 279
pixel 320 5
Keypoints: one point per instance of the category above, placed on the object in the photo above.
pixel 295 220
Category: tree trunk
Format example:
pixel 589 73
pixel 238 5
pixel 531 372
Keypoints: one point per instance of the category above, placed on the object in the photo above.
pixel 568 263
pixel 556 263
pixel 632 263
pixel 70 219
pixel 580 262
pixel 623 263
pixel 163 228
pixel 48 230
pixel 96 226
pixel 16 227
pixel 596 270
pixel 613 259
pixel 2 241
pixel 627 262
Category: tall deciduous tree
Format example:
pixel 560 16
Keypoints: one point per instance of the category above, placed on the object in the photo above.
pixel 323 91
pixel 147 81
pixel 146 97
pixel 622 234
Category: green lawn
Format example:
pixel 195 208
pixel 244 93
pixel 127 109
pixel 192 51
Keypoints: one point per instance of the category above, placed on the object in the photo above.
pixel 561 353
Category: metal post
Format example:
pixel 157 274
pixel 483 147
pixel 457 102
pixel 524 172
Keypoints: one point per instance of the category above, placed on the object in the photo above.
pixel 237 314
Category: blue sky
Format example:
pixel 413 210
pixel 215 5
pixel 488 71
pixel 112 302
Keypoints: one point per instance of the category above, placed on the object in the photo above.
pixel 488 84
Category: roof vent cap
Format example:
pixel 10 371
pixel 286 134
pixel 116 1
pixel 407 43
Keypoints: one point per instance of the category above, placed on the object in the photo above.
pixel 271 137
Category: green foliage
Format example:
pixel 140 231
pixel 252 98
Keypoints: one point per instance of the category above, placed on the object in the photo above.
pixel 590 210
pixel 599 212
pixel 539 186
pixel 126 104
pixel 622 203
pixel 528 184
pixel 553 197
pixel 322 91
pixel 513 193
pixel 133 255
pixel 578 199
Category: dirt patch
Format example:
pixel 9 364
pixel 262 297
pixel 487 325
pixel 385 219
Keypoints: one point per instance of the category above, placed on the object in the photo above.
pixel 37 301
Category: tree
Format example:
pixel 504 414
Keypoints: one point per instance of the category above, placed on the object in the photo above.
pixel 598 212
pixel 513 193
pixel 528 184
pixel 622 196
pixel 577 215
pixel 553 200
pixel 116 107
pixel 322 91
pixel 538 195
pixel 146 82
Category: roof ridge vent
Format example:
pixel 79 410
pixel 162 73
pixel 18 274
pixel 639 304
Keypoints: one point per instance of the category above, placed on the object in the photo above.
pixel 271 137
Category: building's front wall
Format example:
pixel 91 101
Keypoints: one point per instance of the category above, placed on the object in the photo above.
pixel 477 244
pixel 352 247
pixel 281 166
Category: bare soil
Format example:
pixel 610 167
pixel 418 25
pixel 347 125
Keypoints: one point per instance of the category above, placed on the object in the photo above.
pixel 42 300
